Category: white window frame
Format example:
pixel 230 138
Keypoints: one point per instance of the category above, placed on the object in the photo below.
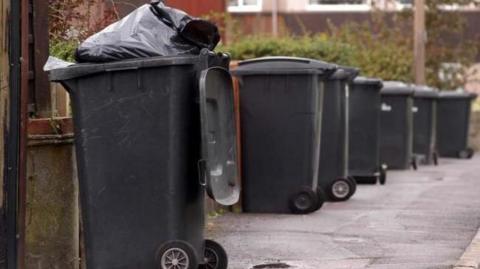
pixel 340 7
pixel 400 6
pixel 246 8
pixel 454 7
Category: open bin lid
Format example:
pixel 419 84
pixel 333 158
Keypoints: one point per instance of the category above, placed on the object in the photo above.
pixel 345 73
pixel 283 65
pixel 219 148
pixel 375 83
pixel 422 91
pixel 396 88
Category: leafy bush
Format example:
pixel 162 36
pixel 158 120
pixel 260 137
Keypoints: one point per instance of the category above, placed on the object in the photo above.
pixel 379 50
pixel 316 47
pixel 388 60
pixel 64 49
pixel 381 47
pixel 72 21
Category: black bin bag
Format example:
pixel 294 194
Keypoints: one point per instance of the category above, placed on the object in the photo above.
pixel 151 30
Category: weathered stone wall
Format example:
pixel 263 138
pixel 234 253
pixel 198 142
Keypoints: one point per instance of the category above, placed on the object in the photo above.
pixel 52 237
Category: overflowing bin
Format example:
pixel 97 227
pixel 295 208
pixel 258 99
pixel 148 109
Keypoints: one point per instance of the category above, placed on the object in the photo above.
pixel 453 123
pixel 364 136
pixel 333 176
pixel 281 104
pixel 151 135
pixel 396 126
pixel 424 124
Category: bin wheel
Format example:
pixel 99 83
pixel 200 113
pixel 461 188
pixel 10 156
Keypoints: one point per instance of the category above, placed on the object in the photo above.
pixel 466 153
pixel 435 158
pixel 353 185
pixel 176 255
pixel 303 202
pixel 321 198
pixel 215 256
pixel 383 176
pixel 340 190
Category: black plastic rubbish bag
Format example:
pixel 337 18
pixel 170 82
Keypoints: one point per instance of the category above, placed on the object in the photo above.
pixel 151 30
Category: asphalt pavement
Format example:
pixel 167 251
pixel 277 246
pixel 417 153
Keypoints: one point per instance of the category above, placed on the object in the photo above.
pixel 421 219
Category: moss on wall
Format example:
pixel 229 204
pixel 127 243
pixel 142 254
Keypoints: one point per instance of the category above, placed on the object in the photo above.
pixel 52 238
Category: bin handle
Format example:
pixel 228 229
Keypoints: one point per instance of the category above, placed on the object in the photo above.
pixel 139 75
pixel 122 69
pixel 139 79
pixel 202 177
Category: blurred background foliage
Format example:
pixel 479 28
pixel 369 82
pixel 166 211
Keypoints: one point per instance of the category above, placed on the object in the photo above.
pixel 381 47
pixel 379 51
pixel 71 22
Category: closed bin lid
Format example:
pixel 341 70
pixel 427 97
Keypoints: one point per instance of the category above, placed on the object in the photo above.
pixel 219 148
pixel 422 91
pixel 283 65
pixel 344 73
pixel 459 94
pixel 396 88
pixel 375 83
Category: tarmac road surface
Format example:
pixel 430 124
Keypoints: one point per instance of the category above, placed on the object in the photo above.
pixel 423 219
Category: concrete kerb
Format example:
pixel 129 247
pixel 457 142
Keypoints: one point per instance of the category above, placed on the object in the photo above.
pixel 471 257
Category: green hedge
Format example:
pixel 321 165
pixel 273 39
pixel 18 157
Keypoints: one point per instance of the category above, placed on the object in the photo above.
pixel 374 58
pixel 315 47
pixel 382 56
pixel 386 59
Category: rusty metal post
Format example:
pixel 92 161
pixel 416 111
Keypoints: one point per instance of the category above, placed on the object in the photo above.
pixel 16 135
pixel 11 143
pixel 4 89
pixel 23 118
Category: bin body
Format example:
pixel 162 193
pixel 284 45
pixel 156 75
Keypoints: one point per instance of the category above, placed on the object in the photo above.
pixel 137 126
pixel 335 129
pixel 424 124
pixel 453 123
pixel 280 110
pixel 396 125
pixel 364 121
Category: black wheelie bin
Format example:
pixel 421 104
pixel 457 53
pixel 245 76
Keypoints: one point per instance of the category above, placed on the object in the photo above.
pixel 396 126
pixel 453 123
pixel 333 177
pixel 151 135
pixel 281 101
pixel 364 137
pixel 424 124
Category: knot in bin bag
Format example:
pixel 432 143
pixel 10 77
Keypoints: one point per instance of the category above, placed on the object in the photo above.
pixel 151 30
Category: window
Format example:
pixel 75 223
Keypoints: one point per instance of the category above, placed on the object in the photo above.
pixel 404 4
pixel 339 5
pixel 336 2
pixel 245 5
